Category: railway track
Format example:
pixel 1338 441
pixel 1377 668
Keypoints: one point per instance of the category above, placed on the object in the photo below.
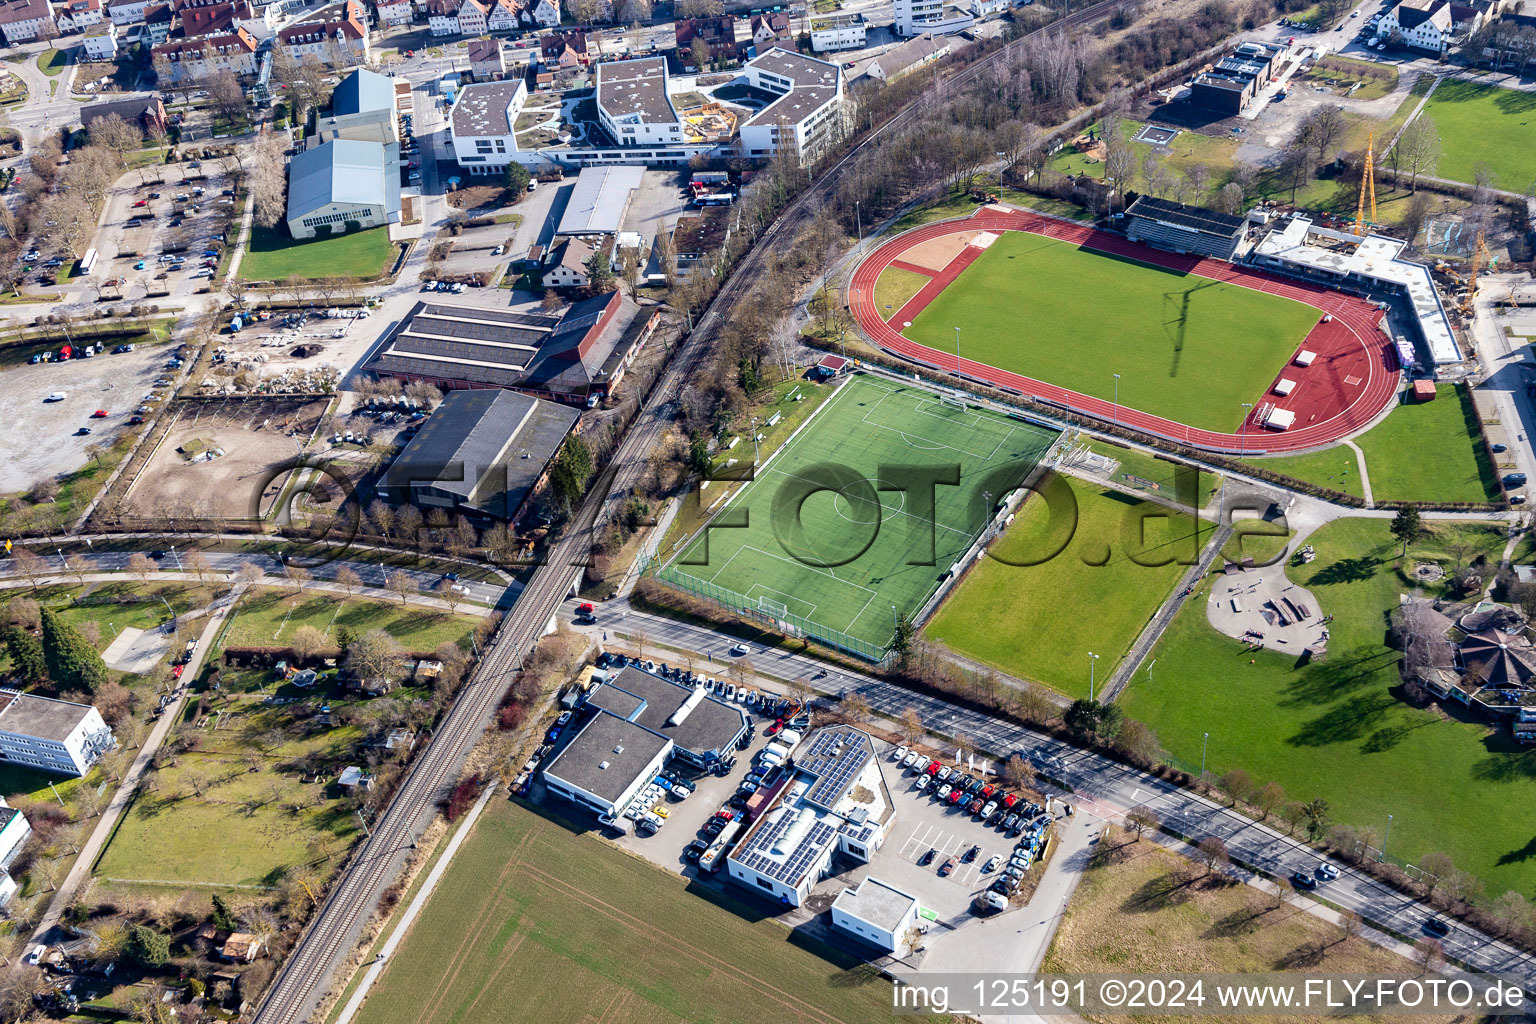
pixel 335 929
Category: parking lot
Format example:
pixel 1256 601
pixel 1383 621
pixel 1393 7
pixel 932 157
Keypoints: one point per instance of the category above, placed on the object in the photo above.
pixel 179 212
pixel 42 438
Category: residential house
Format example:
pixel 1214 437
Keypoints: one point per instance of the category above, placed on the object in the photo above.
pixel 485 60
pixel 564 50
pixel 145 111
pixel 335 34
pixel 1431 26
pixel 393 13
pixel 472 18
pixel 184 59
pixel 101 42
pixel 443 17
pixel 158 21
pixel 53 735
pixel 568 265
pixel 504 16
pixel 544 13
pixel 22 21
pixel 79 15
pixel 126 12
pixel 768 27
pixel 719 34
pixel 210 20
pixel 838 32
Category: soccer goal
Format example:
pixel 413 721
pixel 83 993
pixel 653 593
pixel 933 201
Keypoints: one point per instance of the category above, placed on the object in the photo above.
pixel 772 608
pixel 953 403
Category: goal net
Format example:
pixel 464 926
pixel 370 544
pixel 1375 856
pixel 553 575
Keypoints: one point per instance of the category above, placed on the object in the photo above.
pixel 773 608
pixel 953 403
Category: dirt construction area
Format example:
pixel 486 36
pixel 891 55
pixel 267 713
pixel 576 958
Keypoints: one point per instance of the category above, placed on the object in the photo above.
pixel 41 438
pixel 187 476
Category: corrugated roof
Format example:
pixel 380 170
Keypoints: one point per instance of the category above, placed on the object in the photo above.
pixel 597 203
pixel 341 171
pixel 1197 218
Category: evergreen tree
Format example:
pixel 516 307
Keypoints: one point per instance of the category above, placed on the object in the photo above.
pixel 345 638
pixel 516 180
pixel 573 466
pixel 147 946
pixel 26 653
pixel 222 918
pixel 599 273
pixel 1406 526
pixel 73 664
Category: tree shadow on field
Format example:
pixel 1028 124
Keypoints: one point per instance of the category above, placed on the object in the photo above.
pixel 1343 673
pixel 1166 890
pixel 1345 722
pixel 1346 570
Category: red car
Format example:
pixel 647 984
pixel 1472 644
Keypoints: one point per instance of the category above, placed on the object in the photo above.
pixel 726 815
pixel 986 793
pixel 776 728
pixel 99 414
pixel 933 767
pixel 955 795
pixel 135 419
pixel 1009 800
pixel 176 670
pixel 947 867
pixel 141 202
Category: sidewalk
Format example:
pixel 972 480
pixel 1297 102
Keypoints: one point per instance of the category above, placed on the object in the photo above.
pixel 85 863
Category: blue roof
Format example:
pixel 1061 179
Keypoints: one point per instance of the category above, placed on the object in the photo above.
pixel 361 92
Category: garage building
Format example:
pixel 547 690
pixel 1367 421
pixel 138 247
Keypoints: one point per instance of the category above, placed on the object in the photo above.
pixel 343 182
pixel 599 201
pixel 879 914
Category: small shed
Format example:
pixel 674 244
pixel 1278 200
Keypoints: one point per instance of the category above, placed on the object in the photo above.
pixel 831 366
pixel 241 948
pixel 353 776
pixel 1424 391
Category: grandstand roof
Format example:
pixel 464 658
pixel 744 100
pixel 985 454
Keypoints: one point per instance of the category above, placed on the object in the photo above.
pixel 1195 218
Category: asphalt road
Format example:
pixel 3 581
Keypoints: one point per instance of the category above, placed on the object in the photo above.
pixel 1110 788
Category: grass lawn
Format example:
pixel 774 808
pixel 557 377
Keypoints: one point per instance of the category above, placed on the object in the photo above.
pixel 273 256
pixel 532 922
pixel 1149 911
pixel 894 288
pixel 812 532
pixel 1040 621
pixel 1186 150
pixel 1485 124
pixel 964 206
pixel 113 607
pixel 1074 317
pixel 50 62
pixel 1431 451
pixel 1340 73
pixel 1336 728
pixel 269 618
pixel 1334 467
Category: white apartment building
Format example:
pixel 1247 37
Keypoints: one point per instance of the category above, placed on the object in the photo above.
pixel 53 735
pixel 633 105
pixel 22 21
pixel 806 116
pixel 914 17
pixel 878 913
pixel 481 124
pixel 79 15
pixel 839 32
pixel 14 830
pixel 393 13
pixel 100 41
pixel 127 12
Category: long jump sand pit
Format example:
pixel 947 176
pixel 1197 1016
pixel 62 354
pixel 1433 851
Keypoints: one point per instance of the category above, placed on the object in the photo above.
pixel 257 437
pixel 937 253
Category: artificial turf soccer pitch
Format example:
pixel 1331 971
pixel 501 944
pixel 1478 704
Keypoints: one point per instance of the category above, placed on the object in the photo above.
pixel 871 428
pixel 1186 348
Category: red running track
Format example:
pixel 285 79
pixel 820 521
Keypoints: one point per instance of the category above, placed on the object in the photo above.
pixel 1351 381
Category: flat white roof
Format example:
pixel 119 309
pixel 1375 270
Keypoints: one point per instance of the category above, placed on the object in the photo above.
pixel 1375 258
pixel 1285 386
pixel 878 903
pixel 1280 419
pixel 598 201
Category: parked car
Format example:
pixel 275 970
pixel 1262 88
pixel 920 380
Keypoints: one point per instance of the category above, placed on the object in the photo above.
pixel 943 791
pixel 971 854
pixel 1327 871
pixel 947 867
pixel 899 755
pixel 922 861
pixel 922 782
pixel 992 863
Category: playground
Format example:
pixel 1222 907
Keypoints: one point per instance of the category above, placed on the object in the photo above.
pixel 860 516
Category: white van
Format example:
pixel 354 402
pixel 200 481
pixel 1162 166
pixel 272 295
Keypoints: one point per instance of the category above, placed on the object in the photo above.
pixel 57 396
pixel 777 749
pixel 36 956
pixel 533 185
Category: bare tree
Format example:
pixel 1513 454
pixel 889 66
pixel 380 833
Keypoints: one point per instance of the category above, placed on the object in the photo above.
pixel 249 573
pixel 1420 145
pixel 1142 819
pixel 117 135
pixel 450 595
pixel 401 584
pixel 853 708
pixel 1213 854
pixel 347 579
pixel 142 566
pixel 1019 773
pixel 1428 954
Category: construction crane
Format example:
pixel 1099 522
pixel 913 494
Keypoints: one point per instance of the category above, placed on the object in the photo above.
pixel 1480 258
pixel 1367 186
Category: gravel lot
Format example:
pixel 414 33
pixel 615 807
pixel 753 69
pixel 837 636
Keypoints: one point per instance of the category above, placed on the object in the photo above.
pixel 39 440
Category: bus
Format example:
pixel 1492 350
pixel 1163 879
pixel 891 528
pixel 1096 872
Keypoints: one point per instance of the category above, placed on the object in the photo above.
pixel 88 261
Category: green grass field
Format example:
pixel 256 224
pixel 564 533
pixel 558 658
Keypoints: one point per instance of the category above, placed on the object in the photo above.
pixel 1422 451
pixel 1139 471
pixel 835 564
pixel 50 62
pixel 533 923
pixel 1186 348
pixel 1040 621
pixel 1336 728
pixel 270 617
pixel 894 288
pixel 1483 123
pixel 1431 451
pixel 273 256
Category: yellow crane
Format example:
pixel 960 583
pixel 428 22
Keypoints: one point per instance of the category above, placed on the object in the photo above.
pixel 1481 258
pixel 1367 186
